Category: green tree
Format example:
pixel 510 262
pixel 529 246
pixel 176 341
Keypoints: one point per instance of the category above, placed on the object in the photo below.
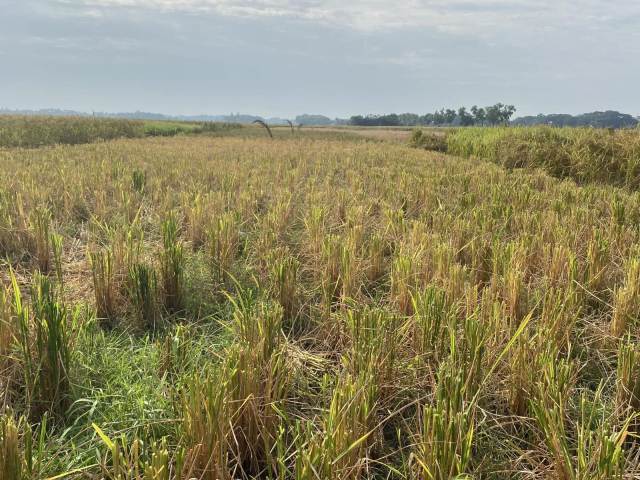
pixel 479 115
pixel 450 116
pixel 465 118
pixel 499 113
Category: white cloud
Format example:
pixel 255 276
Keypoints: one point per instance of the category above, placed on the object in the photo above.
pixel 456 16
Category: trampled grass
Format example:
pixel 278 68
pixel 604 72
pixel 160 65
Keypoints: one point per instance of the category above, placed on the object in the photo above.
pixel 309 307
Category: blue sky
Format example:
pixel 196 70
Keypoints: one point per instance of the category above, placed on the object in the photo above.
pixel 336 57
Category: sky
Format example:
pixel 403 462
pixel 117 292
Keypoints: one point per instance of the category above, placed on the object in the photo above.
pixel 332 57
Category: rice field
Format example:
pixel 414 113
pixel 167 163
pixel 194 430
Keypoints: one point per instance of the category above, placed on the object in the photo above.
pixel 316 306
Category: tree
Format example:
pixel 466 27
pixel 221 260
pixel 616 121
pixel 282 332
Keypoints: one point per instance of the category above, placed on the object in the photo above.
pixel 409 119
pixel 507 112
pixel 465 118
pixel 493 114
pixel 499 113
pixel 479 115
pixel 450 116
pixel 427 119
pixel 390 120
pixel 439 117
pixel 608 119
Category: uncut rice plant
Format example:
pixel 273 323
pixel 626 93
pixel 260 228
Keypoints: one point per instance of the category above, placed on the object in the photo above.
pixel 320 307
pixel 583 154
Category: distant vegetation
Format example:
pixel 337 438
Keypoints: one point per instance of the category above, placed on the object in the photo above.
pixel 29 132
pixel 585 155
pixel 313 120
pixel 236 118
pixel 168 129
pixel 497 114
pixel 34 131
pixel 608 119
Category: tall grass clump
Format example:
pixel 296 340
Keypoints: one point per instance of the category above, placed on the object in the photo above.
pixel 104 284
pixel 430 323
pixel 46 349
pixel 373 337
pixel 551 410
pixel 627 300
pixel 197 214
pixel 222 245
pixel 142 289
pixel 138 180
pixel 601 439
pixel 375 253
pixel 446 426
pixel 8 327
pixel 175 351
pixel 404 277
pixel 522 376
pixel 172 265
pixel 628 376
pixel 598 451
pixel 444 441
pixel 232 413
pixel 57 248
pixel 339 448
pixel 284 272
pixel 12 458
pixel 135 460
pixel 258 383
pixel 14 226
pixel 41 224
pixel 207 427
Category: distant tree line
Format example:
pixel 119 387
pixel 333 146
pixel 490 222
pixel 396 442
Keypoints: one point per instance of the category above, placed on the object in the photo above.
pixel 608 119
pixel 497 114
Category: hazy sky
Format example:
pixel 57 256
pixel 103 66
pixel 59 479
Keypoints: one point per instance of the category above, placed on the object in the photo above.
pixel 336 57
